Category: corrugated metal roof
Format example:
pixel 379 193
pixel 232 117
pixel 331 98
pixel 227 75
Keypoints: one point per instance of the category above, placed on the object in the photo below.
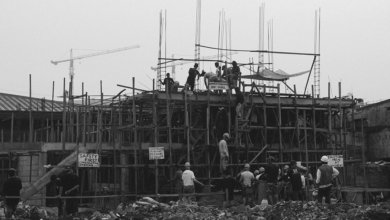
pixel 10 102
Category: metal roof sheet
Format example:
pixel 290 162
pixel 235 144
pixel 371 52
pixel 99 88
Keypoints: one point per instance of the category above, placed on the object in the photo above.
pixel 10 102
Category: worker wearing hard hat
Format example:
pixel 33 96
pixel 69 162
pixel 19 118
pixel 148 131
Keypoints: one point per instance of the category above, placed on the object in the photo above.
pixel 189 179
pixel 246 179
pixel 325 175
pixel 223 152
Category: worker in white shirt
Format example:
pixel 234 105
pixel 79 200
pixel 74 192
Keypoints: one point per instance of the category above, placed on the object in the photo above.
pixel 189 179
pixel 325 175
pixel 223 152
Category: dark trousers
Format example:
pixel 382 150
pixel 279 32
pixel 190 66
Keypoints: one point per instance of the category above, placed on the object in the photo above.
pixel 71 206
pixel 324 192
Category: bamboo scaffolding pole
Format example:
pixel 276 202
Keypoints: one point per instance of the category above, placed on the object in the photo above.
pixel 280 125
pixel 187 129
pixel 265 135
pixel 12 127
pixel 52 115
pixel 329 118
pixel 63 135
pixel 135 138
pixel 314 121
pixel 30 137
pixel 155 139
pixel 297 127
pixel 305 131
pixel 169 124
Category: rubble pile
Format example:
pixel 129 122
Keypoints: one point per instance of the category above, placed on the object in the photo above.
pixel 148 208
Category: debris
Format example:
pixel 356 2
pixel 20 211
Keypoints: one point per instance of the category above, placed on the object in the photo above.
pixel 148 208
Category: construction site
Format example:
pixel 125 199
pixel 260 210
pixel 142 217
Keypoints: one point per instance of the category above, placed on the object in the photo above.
pixel 134 142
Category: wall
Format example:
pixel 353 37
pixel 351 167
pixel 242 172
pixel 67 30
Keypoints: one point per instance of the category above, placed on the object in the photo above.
pixel 30 169
pixel 379 145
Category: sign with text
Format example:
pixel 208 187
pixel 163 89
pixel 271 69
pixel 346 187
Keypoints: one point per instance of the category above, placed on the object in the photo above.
pixel 218 86
pixel 88 160
pixel 336 160
pixel 156 153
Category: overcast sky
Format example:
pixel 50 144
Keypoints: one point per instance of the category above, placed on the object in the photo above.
pixel 355 41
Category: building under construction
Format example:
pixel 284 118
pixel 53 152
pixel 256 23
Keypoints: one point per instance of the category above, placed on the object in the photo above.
pixel 41 137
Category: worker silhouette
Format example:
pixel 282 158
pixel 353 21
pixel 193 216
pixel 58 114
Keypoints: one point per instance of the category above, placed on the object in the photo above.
pixel 192 73
pixel 168 83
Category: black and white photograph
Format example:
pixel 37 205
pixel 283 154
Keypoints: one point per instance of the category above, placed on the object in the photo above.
pixel 194 109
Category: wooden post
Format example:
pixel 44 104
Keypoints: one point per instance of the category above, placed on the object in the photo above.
pixel 330 118
pixel 169 124
pixel 85 121
pixel 314 122
pixel 155 142
pixel 47 130
pixel 280 125
pixel 305 129
pixel 30 137
pixel 135 140
pixel 52 115
pixel 12 127
pixel 63 136
pixel 208 136
pixel 265 135
pixel 187 125
pixel 297 119
pixel 341 134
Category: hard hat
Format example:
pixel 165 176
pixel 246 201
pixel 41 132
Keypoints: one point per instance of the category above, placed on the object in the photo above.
pixel 286 167
pixel 262 169
pixel 246 165
pixel 256 172
pixel 187 164
pixel 324 159
pixel 226 135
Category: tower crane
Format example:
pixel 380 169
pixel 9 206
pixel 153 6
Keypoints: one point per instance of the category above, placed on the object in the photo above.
pixel 72 59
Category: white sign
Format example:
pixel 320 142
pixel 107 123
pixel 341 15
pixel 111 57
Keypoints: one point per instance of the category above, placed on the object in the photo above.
pixel 218 86
pixel 156 153
pixel 88 160
pixel 336 160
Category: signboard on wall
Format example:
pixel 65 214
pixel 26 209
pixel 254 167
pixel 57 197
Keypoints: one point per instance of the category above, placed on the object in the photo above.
pixel 336 160
pixel 218 86
pixel 156 153
pixel 88 160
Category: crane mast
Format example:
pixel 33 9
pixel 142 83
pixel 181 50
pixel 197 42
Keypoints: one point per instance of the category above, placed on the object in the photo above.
pixel 72 59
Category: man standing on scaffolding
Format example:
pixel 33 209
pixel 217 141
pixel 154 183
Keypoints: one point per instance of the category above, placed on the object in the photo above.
pixel 168 83
pixel 192 73
pixel 223 152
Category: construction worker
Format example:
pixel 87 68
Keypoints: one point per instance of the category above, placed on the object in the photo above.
pixel 261 180
pixel 217 70
pixel 189 179
pixel 272 172
pixel 70 184
pixel 239 103
pixel 235 74
pixel 246 180
pixel 223 152
pixel 168 82
pixel 325 175
pixel 11 187
pixel 192 73
pixel 178 181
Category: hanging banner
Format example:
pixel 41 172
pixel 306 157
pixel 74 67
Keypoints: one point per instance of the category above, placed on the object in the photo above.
pixel 156 153
pixel 336 160
pixel 88 160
